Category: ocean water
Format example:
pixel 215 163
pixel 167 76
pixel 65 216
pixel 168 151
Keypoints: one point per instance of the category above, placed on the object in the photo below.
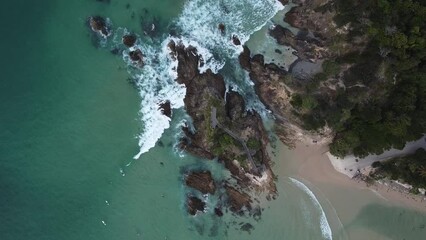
pixel 84 151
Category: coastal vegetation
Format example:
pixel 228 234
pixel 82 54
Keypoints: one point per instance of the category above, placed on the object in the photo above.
pixel 410 169
pixel 379 100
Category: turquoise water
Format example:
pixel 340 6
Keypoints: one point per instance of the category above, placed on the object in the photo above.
pixel 71 123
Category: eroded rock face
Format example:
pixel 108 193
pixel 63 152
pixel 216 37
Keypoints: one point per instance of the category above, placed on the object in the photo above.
pixel 98 25
pixel 221 128
pixel 307 47
pixel 202 181
pixel 129 40
pixel 237 200
pixel 166 108
pixel 195 204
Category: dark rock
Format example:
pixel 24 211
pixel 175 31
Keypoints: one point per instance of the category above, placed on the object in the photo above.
pixel 278 51
pixel 166 109
pixel 202 181
pixel 283 36
pixel 172 46
pixel 235 106
pixel 195 204
pixel 222 28
pixel 283 2
pixel 218 211
pixel 98 25
pixel 236 40
pixel 136 56
pixel 129 40
pixel 237 200
pixel 244 58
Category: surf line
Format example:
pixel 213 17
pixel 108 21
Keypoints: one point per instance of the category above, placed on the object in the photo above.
pixel 325 226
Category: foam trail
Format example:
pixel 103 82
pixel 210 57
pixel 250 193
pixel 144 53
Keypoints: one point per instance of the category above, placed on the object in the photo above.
pixel 325 226
pixel 200 19
pixel 198 25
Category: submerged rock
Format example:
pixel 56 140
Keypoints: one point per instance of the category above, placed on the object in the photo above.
pixel 195 204
pixel 129 40
pixel 221 28
pixel 218 211
pixel 202 181
pixel 98 25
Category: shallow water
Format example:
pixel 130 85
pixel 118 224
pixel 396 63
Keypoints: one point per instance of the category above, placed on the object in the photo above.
pixel 71 122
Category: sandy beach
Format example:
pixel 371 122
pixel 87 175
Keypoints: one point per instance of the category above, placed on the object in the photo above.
pixel 344 198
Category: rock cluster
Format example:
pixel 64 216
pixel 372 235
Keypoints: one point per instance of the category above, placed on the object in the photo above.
pixel 202 181
pixel 98 25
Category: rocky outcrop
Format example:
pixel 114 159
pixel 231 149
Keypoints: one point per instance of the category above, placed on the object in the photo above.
pixel 194 204
pixel 284 2
pixel 129 40
pixel 307 47
pixel 166 108
pixel 237 200
pixel 202 181
pixel 223 129
pixel 270 86
pixel 98 25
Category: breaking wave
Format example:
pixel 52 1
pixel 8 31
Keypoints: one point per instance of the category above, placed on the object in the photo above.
pixel 197 26
pixel 324 225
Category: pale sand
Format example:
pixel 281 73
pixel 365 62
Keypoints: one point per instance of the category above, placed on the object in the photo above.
pixel 341 196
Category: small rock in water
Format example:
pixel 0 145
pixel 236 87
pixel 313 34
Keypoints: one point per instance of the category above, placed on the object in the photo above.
pixel 195 204
pixel 222 28
pixel 136 56
pixel 129 40
pixel 278 51
pixel 236 40
pixel 98 25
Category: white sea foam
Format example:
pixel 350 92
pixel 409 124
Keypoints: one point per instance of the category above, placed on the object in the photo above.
pixel 325 226
pixel 199 28
pixel 200 19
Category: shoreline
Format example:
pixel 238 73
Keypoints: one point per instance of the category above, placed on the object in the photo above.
pixel 314 165
pixel 344 198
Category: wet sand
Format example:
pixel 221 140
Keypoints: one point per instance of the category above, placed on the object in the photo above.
pixel 343 198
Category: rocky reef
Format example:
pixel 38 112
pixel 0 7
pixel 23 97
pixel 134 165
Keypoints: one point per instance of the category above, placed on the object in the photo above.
pixel 202 181
pixel 225 131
